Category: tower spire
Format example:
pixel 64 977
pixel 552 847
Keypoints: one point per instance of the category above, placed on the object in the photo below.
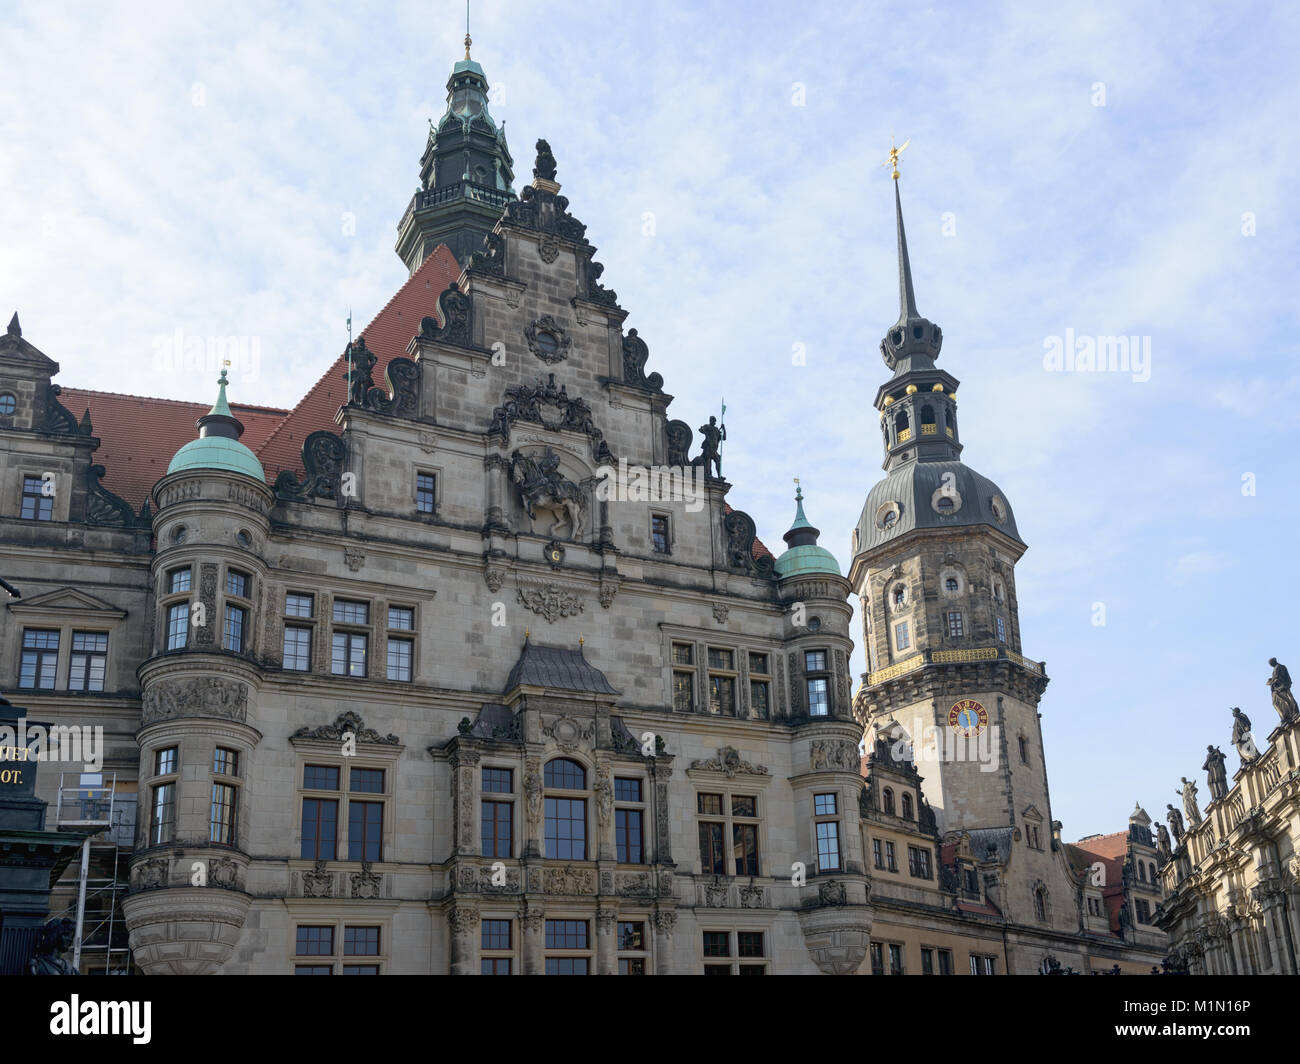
pixel 906 296
pixel 914 341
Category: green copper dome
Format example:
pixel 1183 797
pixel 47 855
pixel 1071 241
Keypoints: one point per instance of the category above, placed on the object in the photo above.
pixel 218 445
pixel 804 557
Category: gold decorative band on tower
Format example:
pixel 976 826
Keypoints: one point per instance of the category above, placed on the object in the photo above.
pixel 946 657
pixel 897 669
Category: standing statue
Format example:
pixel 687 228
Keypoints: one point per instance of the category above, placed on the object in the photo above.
pixel 54 940
pixel 1163 850
pixel 1175 819
pixel 1241 737
pixel 544 167
pixel 360 373
pixel 1283 700
pixel 1217 772
pixel 1189 801
pixel 711 449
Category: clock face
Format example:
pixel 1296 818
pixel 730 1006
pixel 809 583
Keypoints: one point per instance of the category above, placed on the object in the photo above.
pixel 968 717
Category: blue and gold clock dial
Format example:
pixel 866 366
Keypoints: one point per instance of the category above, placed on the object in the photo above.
pixel 968 717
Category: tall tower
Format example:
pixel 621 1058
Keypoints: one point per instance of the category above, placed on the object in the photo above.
pixel 933 565
pixel 466 174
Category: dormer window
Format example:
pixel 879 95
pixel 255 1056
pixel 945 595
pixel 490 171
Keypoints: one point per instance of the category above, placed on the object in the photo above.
pixel 944 504
pixel 951 585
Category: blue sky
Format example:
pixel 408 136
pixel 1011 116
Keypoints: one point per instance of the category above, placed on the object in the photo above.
pixel 191 168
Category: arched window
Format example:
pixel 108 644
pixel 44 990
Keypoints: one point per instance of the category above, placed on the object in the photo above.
pixel 1154 878
pixel 889 801
pixel 927 417
pixel 1142 871
pixel 950 584
pixel 945 503
pixel 1024 750
pixel 1040 904
pixel 566 812
pixel 900 421
pixel 907 806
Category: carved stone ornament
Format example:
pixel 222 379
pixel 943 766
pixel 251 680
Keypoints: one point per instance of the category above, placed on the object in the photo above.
pixel 604 798
pixel 347 723
pixel 679 436
pixel 551 601
pixel 355 558
pixel 569 880
pixel 492 259
pixel 400 399
pixel 542 487
pixel 548 248
pixel 494 578
pixel 542 210
pixel 533 919
pixel 223 873
pixel 635 355
pixel 608 589
pixel 598 293
pixel 547 339
pixel 720 611
pixel 665 921
pixel 752 897
pixel 318 883
pixel 834 754
pixel 151 874
pixel 463 919
pixel 832 892
pixel 323 455
pixel 366 883
pixel 103 507
pixel 207 696
pixel 729 762
pixel 526 403
pixel 568 734
pixel 741 533
pixel 455 307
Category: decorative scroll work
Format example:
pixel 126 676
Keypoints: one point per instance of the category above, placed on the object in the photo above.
pixel 455 307
pixel 679 435
pixel 346 723
pixel 741 533
pixel 323 454
pixel 525 403
pixel 544 211
pixel 635 355
pixel 551 601
pixel 596 291
pixel 102 506
pixel 730 763
pixel 492 259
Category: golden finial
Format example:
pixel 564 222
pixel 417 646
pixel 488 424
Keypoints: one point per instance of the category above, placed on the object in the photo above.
pixel 525 633
pixel 581 641
pixel 894 153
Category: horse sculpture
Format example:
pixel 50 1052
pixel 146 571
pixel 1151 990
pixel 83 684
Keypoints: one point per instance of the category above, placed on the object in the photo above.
pixel 541 487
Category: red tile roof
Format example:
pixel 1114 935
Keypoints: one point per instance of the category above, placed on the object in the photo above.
pixel 138 435
pixel 387 337
pixel 1110 850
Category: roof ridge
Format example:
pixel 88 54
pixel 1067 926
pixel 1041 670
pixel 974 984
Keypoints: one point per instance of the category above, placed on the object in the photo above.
pixel 164 399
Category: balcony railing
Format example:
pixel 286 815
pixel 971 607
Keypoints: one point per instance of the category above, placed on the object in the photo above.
pixel 491 197
pixel 929 430
pixel 952 657
pixel 904 435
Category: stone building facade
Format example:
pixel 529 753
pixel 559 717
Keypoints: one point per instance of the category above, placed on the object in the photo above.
pixel 427 675
pixel 1231 872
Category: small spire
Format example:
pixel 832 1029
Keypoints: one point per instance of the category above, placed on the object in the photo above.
pixel 14 328
pixel 801 532
pixel 906 296
pixel 219 421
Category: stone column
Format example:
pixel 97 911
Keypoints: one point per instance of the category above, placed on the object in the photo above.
pixel 659 775
pixel 532 807
pixel 464 763
pixel 532 921
pixel 462 921
pixel 665 921
pixel 604 793
pixel 606 924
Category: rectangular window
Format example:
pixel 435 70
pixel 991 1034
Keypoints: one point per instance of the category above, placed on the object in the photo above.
pixel 89 661
pixel 684 692
pixel 895 959
pixel 819 704
pixel 347 612
pixel 815 661
pixel 164 761
pixel 828 846
pixel 659 532
pixel 497 828
pixel 918 862
pixel 1143 911
pixel 566 934
pixel 1002 630
pixel 426 492
pixel 566 965
pixel 162 824
pixel 566 828
pixel 225 762
pixel 178 626
pixel 744 839
pixel 927 961
pixel 902 639
pixel 628 835
pixel 877 959
pixel 498 781
pixel 348 654
pixel 320 821
pixel 37 505
pixel 400 654
pixel 713 860
pixel 495 934
pixel 361 942
pixel 366 780
pixel 221 818
pixel 360 969
pixel 945 962
pixel 891 862
pixel 717 944
pixel 299 604
pixel 236 583
pixel 40 659
pixel 759 698
pixel 320 778
pixel 720 659
pixel 955 627
pixel 178 580
pixel 365 830
pixel 877 853
pixel 314 941
pixel 232 631
pixel 313 969
pixel 494 966
pixel 401 618
pixel 297 649
pixel 722 695
pixel 981 965
pixel 825 805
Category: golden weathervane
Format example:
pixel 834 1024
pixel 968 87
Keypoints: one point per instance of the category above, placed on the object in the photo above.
pixel 894 153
